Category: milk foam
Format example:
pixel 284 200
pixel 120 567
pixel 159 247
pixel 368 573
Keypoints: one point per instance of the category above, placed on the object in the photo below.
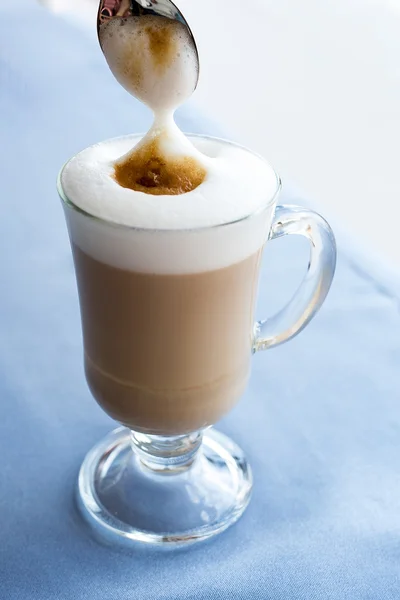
pixel 152 58
pixel 171 234
pixel 237 184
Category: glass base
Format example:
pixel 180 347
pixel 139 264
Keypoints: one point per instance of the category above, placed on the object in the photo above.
pixel 125 500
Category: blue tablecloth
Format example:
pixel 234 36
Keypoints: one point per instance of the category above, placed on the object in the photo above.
pixel 320 421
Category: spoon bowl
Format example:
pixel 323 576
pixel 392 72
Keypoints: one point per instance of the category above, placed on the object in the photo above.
pixel 117 9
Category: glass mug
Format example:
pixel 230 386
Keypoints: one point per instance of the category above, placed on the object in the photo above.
pixel 168 345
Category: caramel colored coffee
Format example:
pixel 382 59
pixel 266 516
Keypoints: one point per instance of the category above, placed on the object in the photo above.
pixel 166 354
pixel 146 169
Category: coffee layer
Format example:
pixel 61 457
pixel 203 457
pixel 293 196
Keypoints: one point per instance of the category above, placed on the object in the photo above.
pixel 166 354
pixel 147 169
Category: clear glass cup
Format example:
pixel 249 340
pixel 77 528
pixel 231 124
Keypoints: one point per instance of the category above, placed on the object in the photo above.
pixel 167 354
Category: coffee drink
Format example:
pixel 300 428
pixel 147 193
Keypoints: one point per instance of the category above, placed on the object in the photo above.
pixel 167 313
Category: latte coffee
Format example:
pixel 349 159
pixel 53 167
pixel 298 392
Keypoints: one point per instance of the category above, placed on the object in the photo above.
pixel 167 311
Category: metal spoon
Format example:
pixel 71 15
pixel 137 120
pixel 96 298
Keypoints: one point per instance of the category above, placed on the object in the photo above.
pixel 117 9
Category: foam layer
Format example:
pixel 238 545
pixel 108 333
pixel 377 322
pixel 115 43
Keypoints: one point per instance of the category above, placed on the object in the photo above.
pixel 152 57
pixel 171 234
pixel 237 184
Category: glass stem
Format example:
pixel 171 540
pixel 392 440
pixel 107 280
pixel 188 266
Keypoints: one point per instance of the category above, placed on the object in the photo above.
pixel 166 454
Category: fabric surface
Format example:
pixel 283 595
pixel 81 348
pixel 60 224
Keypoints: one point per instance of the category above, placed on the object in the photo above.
pixel 320 421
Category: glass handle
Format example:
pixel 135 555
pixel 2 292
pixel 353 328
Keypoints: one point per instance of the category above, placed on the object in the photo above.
pixel 312 292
